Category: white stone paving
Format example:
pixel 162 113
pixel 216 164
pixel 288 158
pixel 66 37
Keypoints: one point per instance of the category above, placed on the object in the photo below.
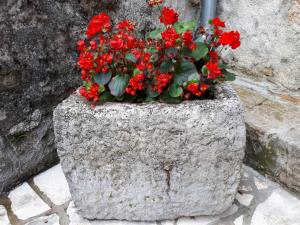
pixel 260 184
pixel 281 208
pixel 26 203
pixel 53 183
pixel 244 199
pixel 259 202
pixel 239 220
pixel 45 220
pixel 3 216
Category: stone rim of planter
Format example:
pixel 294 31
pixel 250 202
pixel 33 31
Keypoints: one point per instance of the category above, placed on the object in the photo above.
pixel 146 162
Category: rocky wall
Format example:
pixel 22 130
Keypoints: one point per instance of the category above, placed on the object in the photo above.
pixel 270 33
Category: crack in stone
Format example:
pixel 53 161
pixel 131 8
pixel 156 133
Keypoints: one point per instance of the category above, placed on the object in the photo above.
pixel 168 170
pixel 59 210
pixel 6 202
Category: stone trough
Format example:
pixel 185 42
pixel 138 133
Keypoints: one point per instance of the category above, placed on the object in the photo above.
pixel 145 162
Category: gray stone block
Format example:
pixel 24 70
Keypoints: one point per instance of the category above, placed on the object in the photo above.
pixel 151 161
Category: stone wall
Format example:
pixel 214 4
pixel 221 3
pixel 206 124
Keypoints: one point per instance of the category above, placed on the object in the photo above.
pixel 270 32
pixel 37 71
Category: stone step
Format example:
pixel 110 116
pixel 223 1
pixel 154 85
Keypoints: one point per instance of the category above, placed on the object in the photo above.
pixel 273 130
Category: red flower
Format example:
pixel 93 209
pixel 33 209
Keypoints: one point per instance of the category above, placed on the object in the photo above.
pixel 217 22
pixel 170 37
pixel 80 45
pixel 125 25
pixel 99 23
pixel 187 38
pixel 136 83
pixel 194 89
pixel 168 16
pixel 91 94
pixel 213 56
pixel 85 61
pixel 116 43
pixel 214 70
pixel 93 44
pixel 204 87
pixel 230 38
pixel 162 81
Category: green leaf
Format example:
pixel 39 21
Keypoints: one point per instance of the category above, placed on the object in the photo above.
pixel 130 57
pixel 136 71
pixel 102 78
pixel 167 98
pixel 166 66
pixel 183 70
pixel 101 88
pixel 228 75
pixel 204 70
pixel 118 84
pixel 199 53
pixel 149 99
pixel 106 97
pixel 223 66
pixel 175 90
pixel 87 85
pixel 171 52
pixel 151 93
pixel 151 50
pixel 184 26
pixel 194 77
pixel 155 34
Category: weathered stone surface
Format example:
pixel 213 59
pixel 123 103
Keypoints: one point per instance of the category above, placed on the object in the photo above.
pixel 273 128
pixel 37 70
pixel 122 160
pixel 270 33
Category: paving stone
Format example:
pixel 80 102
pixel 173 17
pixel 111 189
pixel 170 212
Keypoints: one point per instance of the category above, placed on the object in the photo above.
pixel 3 216
pixel 26 203
pixel 261 185
pixel 45 220
pixel 244 199
pixel 76 219
pixel 239 220
pixel 54 184
pixel 201 220
pixel 281 208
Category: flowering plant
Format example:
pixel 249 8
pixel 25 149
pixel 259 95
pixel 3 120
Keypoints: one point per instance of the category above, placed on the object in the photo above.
pixel 168 65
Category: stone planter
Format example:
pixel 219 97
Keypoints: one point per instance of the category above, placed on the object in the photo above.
pixel 151 161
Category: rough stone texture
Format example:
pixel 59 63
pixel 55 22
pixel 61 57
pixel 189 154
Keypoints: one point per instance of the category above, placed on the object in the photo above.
pixel 122 160
pixel 270 33
pixel 273 128
pixel 37 70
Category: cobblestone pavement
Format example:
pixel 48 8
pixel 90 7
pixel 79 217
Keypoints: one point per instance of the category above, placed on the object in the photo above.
pixel 46 200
